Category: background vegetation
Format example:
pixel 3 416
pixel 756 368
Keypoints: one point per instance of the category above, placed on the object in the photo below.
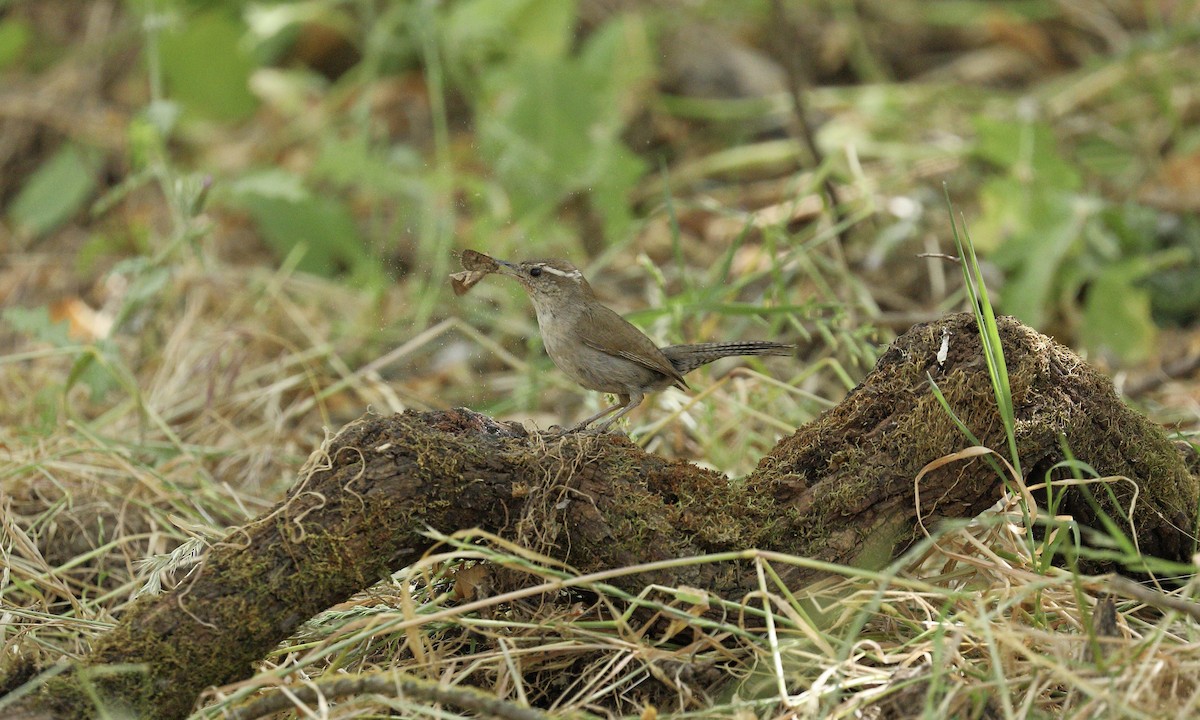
pixel 226 227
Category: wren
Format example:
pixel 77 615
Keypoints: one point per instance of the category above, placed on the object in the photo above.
pixel 603 351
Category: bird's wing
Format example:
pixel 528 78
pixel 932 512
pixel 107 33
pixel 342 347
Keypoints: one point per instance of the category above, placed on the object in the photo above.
pixel 605 324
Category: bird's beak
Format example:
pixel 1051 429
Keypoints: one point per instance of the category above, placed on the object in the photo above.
pixel 506 268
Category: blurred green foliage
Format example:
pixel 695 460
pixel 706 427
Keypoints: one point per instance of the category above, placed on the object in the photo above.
pixel 293 219
pixel 207 67
pixel 15 35
pixel 508 112
pixel 1033 217
pixel 549 119
pixel 58 189
pixel 1069 255
pixel 547 116
pixel 94 363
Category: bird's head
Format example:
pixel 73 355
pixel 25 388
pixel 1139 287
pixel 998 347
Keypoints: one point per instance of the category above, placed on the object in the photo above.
pixel 552 281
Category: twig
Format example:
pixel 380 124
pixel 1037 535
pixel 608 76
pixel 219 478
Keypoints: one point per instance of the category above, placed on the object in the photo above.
pixel 394 684
pixel 803 128
pixel 1154 598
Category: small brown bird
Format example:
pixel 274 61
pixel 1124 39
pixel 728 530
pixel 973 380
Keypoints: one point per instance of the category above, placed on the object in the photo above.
pixel 601 350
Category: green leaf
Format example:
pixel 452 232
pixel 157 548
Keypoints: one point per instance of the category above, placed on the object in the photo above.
pixel 1116 315
pixel 1043 233
pixel 476 31
pixel 1133 229
pixel 207 67
pixel 36 323
pixel 56 191
pixel 322 225
pixel 358 164
pixel 92 368
pixel 618 55
pixel 1175 295
pixel 552 128
pixel 1029 149
pixel 95 375
pixel 14 39
pixel 147 284
pixel 274 183
pixel 1101 156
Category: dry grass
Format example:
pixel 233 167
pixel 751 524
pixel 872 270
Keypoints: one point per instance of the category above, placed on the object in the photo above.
pixel 978 635
pixel 199 410
pixel 105 500
pixel 210 400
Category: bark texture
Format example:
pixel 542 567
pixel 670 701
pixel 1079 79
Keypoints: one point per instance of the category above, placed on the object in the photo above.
pixel 839 489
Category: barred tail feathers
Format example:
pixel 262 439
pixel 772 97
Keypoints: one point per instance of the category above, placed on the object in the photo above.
pixel 686 358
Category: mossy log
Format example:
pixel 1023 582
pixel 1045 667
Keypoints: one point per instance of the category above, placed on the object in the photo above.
pixel 840 489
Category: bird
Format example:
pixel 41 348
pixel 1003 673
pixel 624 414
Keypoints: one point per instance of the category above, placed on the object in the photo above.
pixel 600 350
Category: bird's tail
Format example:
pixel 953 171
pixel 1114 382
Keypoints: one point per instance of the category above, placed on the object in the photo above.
pixel 686 358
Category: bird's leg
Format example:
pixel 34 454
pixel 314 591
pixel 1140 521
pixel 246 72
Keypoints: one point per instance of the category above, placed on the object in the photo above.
pixel 622 399
pixel 629 402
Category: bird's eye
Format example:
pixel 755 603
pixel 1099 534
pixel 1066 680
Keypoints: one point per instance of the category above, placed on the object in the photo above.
pixel 535 271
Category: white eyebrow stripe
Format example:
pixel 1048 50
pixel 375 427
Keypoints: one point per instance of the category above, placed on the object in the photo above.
pixel 574 274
